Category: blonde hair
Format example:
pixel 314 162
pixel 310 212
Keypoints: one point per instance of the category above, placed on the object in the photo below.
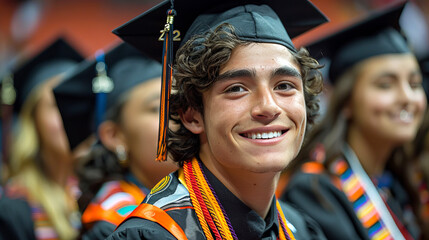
pixel 26 169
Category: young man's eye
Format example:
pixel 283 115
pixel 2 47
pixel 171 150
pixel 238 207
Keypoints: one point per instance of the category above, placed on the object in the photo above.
pixel 234 89
pixel 284 86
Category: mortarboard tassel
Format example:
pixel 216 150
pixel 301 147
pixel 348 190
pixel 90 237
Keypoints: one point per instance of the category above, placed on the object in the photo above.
pixel 8 96
pixel 101 86
pixel 167 75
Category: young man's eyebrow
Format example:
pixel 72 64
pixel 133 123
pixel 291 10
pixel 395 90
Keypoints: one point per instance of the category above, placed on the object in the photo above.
pixel 286 71
pixel 236 73
pixel 283 71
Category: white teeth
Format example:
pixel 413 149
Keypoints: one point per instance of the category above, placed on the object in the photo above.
pixel 265 135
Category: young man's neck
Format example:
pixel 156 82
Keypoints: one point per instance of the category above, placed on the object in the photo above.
pixel 256 190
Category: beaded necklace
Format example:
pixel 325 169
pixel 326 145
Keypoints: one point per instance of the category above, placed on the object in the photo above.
pixel 211 215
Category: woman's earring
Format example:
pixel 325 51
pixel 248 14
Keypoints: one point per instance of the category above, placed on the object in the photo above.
pixel 121 154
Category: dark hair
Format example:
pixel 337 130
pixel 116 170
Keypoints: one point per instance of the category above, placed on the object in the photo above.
pixel 198 63
pixel 100 165
pixel 416 152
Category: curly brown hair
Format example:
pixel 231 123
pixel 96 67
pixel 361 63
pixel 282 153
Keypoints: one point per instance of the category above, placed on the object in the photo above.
pixel 198 63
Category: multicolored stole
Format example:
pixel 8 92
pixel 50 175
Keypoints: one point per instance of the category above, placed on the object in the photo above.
pixel 211 215
pixel 367 202
pixel 113 203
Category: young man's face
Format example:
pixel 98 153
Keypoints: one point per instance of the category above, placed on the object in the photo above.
pixel 255 113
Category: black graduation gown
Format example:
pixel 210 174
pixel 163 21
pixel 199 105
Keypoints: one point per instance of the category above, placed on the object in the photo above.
pixel 321 200
pixel 100 230
pixel 246 222
pixel 316 195
pixel 16 220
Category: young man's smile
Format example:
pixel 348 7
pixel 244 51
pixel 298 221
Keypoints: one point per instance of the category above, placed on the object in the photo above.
pixel 265 135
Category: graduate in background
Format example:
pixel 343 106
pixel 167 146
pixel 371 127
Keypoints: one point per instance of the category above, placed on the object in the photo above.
pixel 115 97
pixel 241 96
pixel 41 164
pixel 356 184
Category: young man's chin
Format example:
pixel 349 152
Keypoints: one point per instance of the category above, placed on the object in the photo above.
pixel 269 167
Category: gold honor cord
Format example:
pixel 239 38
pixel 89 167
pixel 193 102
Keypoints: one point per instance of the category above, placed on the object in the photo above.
pixel 213 219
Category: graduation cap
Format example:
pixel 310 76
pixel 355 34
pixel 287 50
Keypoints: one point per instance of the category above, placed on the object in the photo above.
pixel 377 34
pixel 59 57
pixel 252 22
pixel 77 95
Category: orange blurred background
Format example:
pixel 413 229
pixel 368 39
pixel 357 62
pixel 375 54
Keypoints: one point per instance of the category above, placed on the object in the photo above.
pixel 27 26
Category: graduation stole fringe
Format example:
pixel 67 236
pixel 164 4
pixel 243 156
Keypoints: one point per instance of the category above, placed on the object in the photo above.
pixel 211 214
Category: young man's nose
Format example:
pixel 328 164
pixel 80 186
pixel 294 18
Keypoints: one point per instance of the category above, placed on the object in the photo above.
pixel 265 106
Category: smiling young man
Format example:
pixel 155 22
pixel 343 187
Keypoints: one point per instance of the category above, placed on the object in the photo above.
pixel 243 96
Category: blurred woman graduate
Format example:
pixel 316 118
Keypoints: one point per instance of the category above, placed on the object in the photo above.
pixel 356 182
pixel 41 164
pixel 116 97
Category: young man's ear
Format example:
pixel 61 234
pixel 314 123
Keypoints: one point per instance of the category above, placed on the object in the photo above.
pixel 110 135
pixel 192 120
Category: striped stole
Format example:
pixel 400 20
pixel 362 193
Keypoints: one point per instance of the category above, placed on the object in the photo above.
pixel 367 203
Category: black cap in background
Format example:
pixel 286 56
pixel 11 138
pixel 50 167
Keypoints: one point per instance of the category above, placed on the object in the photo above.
pixel 127 68
pixel 377 34
pixel 59 57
